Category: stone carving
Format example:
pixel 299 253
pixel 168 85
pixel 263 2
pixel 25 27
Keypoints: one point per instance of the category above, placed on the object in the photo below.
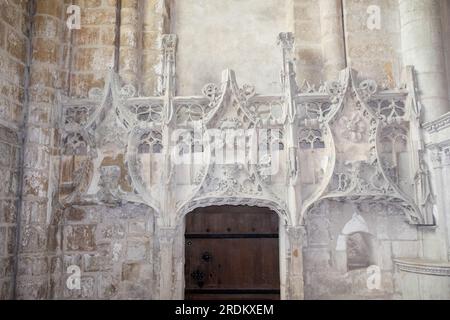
pixel 311 139
pixel 359 178
pixel 359 170
pixel 147 112
pixel 422 184
pixel 440 155
pixel 109 191
pixel 353 128
pixel 351 135
pixel 439 124
pixel 423 267
pixel 75 144
pixel 166 83
pixel 367 89
pixel 230 181
pixel 127 91
pixel 345 120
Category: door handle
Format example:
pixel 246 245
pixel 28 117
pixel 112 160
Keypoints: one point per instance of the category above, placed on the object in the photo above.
pixel 198 277
pixel 206 256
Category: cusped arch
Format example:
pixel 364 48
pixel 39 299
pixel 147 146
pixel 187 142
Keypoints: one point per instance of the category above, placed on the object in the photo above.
pixel 232 201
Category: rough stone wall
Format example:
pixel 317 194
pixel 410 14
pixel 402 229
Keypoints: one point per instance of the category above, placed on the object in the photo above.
pixel 156 22
pixel 113 248
pixel 142 24
pixel 93 46
pixel 14 37
pixel 38 251
pixel 326 272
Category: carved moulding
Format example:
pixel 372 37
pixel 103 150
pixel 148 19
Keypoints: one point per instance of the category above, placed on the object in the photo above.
pixel 439 124
pixel 354 124
pixel 419 266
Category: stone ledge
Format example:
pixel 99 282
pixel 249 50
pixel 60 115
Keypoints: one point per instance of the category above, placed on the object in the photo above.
pixel 439 124
pixel 429 267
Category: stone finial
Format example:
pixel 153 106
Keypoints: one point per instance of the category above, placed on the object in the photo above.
pixel 286 40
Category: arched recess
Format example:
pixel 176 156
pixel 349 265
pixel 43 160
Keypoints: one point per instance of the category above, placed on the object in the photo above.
pixel 355 247
pixel 232 252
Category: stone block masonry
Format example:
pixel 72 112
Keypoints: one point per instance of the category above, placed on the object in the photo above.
pixel 14 38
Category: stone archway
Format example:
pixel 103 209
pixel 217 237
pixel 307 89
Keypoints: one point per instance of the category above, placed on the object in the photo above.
pixel 172 255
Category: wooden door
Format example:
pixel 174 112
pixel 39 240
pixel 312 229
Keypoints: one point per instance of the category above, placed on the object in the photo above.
pixel 232 254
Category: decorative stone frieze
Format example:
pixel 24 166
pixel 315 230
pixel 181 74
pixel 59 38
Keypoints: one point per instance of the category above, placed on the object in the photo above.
pixel 423 267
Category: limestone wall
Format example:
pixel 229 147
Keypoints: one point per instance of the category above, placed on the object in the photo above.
pixel 115 245
pixel 327 275
pixel 446 35
pixel 375 53
pixel 92 46
pixel 240 35
pixel 14 35
pixel 307 30
pixel 112 245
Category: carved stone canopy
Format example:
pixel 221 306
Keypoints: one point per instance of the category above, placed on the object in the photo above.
pixel 345 140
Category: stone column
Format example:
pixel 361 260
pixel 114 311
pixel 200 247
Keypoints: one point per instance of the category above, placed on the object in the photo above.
pixel 332 32
pixel 295 281
pixel 166 236
pixel 423 47
pixel 14 41
pixel 155 24
pixel 38 260
pixel 130 41
pixel 93 46
pixel 441 168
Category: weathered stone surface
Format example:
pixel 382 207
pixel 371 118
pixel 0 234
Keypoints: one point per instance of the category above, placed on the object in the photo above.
pixel 85 208
pixel 80 238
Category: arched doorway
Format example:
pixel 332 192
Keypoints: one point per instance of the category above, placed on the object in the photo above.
pixel 232 253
